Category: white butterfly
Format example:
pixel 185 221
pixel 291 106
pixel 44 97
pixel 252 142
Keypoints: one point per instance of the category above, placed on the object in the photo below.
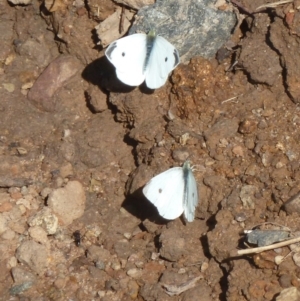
pixel 140 57
pixel 173 192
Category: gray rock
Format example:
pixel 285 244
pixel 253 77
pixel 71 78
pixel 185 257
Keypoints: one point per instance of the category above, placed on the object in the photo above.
pixel 68 203
pixel 19 288
pixel 293 204
pixel 20 275
pixel 194 27
pixel 34 255
pixel 266 237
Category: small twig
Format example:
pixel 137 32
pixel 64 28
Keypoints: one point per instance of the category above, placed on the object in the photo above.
pixel 274 4
pixel 274 224
pixel 173 289
pixel 269 247
pixel 121 25
pixel 229 99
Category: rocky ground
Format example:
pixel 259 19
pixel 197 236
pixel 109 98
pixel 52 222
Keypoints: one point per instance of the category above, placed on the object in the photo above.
pixel 74 224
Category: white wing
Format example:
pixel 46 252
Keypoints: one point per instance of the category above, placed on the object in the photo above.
pixel 165 191
pixel 191 194
pixel 163 59
pixel 128 56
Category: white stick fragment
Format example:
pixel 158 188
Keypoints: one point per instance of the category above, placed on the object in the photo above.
pixel 274 4
pixel 174 289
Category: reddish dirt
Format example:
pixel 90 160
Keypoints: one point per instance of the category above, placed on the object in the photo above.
pixel 236 119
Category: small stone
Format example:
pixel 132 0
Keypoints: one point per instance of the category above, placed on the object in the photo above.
pixel 116 265
pixel 285 281
pixel 24 190
pixel 56 75
pixel 279 259
pixel 266 237
pixel 127 235
pixel 46 219
pixel 204 266
pixel 296 259
pixel 293 204
pixel 135 273
pixel 18 289
pixel 22 150
pixel 12 262
pixel 290 294
pixel 21 275
pixel 99 255
pixel 238 151
pixel 173 246
pixel 240 217
pixel 68 203
pixel 66 170
pixel 39 235
pixel 132 289
pixel 34 255
pixel 46 191
pixel 16 195
pixel 247 196
pixel 247 126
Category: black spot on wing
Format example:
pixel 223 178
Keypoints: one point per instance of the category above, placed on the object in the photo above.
pixel 160 190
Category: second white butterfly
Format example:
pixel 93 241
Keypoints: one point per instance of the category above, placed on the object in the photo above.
pixel 140 57
pixel 174 192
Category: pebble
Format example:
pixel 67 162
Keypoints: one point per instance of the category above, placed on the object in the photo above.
pixel 46 219
pixel 132 289
pixel 38 234
pixel 21 275
pixel 296 259
pixel 247 196
pixel 34 255
pixel 45 192
pixel 18 289
pixel 285 281
pixel 12 262
pixel 68 203
pixel 293 204
pixel 55 76
pixel 99 255
pixel 135 273
pixel 173 247
pixel 290 294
